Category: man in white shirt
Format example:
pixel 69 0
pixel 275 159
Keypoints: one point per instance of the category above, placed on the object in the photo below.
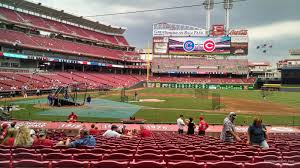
pixel 112 133
pixel 180 124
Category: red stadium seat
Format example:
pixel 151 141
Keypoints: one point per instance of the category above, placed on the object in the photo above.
pixel 185 164
pixel 149 151
pixel 223 152
pixel 224 164
pixel 147 164
pixel 109 164
pixel 98 151
pixel 178 158
pixel 292 159
pixel 30 156
pixel 267 158
pixel 198 152
pixel 239 158
pixel 87 157
pixel 5 156
pixel 148 156
pixel 57 156
pixel 30 164
pixel 292 165
pixel 72 151
pixel 208 157
pixel 262 165
pixel 23 150
pixel 69 164
pixel 173 151
pixel 6 164
pixel 118 157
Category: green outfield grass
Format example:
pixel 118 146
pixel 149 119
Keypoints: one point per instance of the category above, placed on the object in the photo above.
pixel 168 111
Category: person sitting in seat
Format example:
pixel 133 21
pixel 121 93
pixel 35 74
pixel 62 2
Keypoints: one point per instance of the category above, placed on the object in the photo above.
pixel 144 132
pixel 112 133
pixel 72 118
pixel 42 139
pixel 84 140
pixel 93 131
pixel 10 138
pixel 23 137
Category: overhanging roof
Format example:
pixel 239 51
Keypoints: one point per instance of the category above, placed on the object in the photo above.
pixel 61 15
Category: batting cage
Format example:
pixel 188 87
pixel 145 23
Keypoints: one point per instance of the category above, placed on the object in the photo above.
pixel 216 101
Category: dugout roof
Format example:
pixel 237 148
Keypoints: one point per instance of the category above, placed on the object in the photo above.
pixel 62 15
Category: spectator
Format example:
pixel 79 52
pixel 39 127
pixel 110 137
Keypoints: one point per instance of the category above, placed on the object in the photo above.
pixel 72 118
pixel 191 127
pixel 112 133
pixel 93 131
pixel 42 139
pixel 257 134
pixel 202 126
pixel 144 132
pixel 85 140
pixel 228 133
pixel 180 124
pixel 10 138
pixel 89 99
pixel 3 131
pixel 23 137
pixel 97 131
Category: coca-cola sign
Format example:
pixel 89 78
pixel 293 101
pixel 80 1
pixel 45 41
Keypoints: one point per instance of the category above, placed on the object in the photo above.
pixel 239 32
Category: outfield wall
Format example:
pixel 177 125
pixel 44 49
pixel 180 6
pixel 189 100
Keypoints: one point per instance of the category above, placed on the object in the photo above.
pixel 200 86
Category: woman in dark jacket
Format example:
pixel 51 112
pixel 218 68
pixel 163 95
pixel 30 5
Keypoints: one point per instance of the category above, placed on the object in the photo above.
pixel 191 127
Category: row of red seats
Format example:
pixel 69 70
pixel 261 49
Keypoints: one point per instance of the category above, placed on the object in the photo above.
pixel 141 164
pixel 63 46
pixel 53 80
pixel 51 25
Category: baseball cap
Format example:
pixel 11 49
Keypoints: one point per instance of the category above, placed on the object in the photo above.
pixel 200 118
pixel 42 132
pixel 232 114
pixel 114 127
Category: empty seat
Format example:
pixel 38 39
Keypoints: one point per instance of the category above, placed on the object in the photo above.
pixel 262 165
pixel 30 163
pixel 178 158
pixel 291 165
pixel 87 157
pixel 5 156
pixel 147 164
pixel 208 157
pixel 149 151
pixel 19 156
pixel 148 156
pixel 118 157
pixel 239 158
pixel 185 164
pixel 57 156
pixel 69 164
pixel 5 163
pixel 224 164
pixel 109 164
pixel 267 158
pixel 198 152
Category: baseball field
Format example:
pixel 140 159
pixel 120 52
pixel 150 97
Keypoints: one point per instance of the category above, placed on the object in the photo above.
pixel 164 105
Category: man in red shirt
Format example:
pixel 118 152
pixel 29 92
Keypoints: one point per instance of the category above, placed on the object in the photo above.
pixel 202 126
pixel 72 118
pixel 144 132
pixel 42 139
pixel 93 131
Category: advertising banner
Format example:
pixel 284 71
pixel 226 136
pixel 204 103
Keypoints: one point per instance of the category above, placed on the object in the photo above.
pixel 201 86
pixel 218 30
pixel 178 33
pixel 199 45
pixel 160 48
pixel 239 48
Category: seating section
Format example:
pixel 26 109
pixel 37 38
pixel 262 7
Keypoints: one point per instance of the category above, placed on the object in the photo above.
pixel 63 46
pixel 15 81
pixel 200 66
pixel 205 80
pixel 55 26
pixel 162 149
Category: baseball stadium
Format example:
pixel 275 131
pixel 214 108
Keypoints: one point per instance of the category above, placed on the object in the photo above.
pixel 75 93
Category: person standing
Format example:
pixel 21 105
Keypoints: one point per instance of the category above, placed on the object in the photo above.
pixel 135 96
pixel 191 127
pixel 202 126
pixel 180 124
pixel 228 133
pixel 257 134
pixel 89 99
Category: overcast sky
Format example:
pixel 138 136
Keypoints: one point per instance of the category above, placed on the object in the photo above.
pixel 269 21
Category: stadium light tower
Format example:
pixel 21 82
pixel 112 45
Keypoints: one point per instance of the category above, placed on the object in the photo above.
pixel 208 5
pixel 228 4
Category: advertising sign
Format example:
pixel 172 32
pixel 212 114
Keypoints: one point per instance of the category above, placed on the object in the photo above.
pixel 199 45
pixel 238 32
pixel 160 48
pixel 178 33
pixel 218 30
pixel 239 48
